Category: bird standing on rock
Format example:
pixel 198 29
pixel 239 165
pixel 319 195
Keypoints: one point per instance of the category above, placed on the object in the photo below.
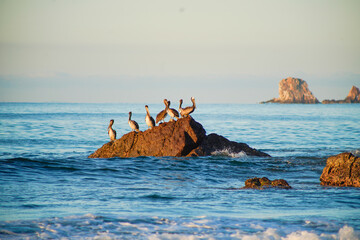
pixel 172 112
pixel 162 115
pixel 134 125
pixel 111 132
pixel 185 112
pixel 148 119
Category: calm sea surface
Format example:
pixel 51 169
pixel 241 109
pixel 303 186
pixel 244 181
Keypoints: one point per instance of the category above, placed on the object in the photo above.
pixel 49 189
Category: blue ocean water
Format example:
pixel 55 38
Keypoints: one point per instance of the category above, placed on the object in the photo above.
pixel 49 189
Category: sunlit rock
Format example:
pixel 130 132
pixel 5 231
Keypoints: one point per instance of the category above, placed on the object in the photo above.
pixel 293 90
pixel 341 170
pixel 181 138
pixel 352 97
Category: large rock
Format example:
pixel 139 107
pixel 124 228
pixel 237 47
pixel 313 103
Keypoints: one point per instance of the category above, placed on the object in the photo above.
pixel 352 97
pixel 341 170
pixel 177 138
pixel 293 90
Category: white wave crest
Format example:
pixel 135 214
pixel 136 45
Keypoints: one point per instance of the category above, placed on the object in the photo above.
pixel 356 152
pixel 91 227
pixel 301 235
pixel 345 233
pixel 228 153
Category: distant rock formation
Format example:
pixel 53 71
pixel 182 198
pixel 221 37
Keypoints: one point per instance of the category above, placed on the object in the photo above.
pixel 262 183
pixel 341 170
pixel 352 97
pixel 181 138
pixel 293 90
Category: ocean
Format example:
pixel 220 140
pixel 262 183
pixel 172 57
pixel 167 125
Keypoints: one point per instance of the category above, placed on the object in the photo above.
pixel 49 189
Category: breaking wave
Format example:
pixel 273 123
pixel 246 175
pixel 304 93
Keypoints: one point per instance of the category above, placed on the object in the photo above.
pixel 229 153
pixel 90 226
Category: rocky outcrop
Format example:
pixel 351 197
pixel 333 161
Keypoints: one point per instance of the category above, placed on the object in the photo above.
pixel 262 183
pixel 178 138
pixel 214 143
pixel 175 138
pixel 341 170
pixel 293 90
pixel 352 97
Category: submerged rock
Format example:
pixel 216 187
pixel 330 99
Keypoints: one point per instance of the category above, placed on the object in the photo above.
pixel 352 97
pixel 293 90
pixel 185 137
pixel 341 170
pixel 261 183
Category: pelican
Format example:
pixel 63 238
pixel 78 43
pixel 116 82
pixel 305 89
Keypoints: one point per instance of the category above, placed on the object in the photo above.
pixel 134 125
pixel 111 132
pixel 185 112
pixel 162 115
pixel 172 112
pixel 148 119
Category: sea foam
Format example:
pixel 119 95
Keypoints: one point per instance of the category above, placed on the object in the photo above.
pixel 92 227
pixel 229 153
pixel 345 233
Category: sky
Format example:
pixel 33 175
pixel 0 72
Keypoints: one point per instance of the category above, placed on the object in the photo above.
pixel 233 51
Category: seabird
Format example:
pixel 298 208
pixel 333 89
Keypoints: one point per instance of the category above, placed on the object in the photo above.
pixel 134 125
pixel 185 112
pixel 148 119
pixel 162 115
pixel 111 132
pixel 172 112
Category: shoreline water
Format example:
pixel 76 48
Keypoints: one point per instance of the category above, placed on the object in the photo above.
pixel 51 190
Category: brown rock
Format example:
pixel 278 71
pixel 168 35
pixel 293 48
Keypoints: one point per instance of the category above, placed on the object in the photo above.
pixel 185 137
pixel 352 97
pixel 280 183
pixel 214 142
pixel 261 183
pixel 176 138
pixel 293 90
pixel 341 170
pixel 331 101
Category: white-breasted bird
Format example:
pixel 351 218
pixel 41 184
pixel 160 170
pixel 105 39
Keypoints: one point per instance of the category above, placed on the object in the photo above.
pixel 111 131
pixel 149 119
pixel 172 112
pixel 133 124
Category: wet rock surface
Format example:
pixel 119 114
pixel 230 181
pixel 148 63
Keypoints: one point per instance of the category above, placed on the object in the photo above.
pixel 342 170
pixel 182 138
pixel 214 142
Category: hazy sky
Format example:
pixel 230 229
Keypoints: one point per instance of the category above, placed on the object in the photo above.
pixel 143 51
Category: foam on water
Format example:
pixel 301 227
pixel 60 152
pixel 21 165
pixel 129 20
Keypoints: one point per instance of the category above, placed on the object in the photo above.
pixel 95 227
pixel 229 153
